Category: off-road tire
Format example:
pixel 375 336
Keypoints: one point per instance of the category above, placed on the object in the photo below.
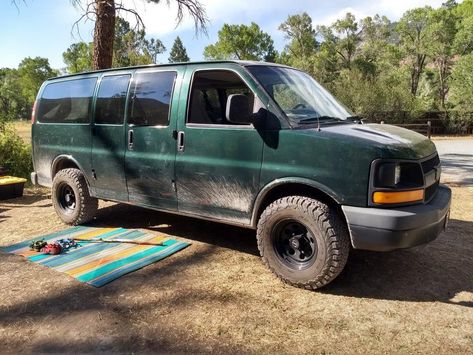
pixel 85 205
pixel 328 230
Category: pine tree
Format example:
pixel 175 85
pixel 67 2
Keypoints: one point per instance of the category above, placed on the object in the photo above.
pixel 178 52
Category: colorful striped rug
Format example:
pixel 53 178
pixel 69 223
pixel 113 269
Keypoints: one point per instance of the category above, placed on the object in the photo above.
pixel 100 263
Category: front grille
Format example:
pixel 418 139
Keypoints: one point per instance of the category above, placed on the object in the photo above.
pixel 431 191
pixel 430 164
pixel 427 167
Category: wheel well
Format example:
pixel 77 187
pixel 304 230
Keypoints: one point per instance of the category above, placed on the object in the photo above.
pixel 63 164
pixel 291 189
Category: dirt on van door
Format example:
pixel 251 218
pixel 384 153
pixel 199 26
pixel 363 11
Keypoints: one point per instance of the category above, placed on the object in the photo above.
pixel 217 296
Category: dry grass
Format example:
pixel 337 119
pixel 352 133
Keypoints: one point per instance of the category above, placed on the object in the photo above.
pixel 24 130
pixel 216 295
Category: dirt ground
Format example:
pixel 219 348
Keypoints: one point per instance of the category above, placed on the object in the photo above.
pixel 217 296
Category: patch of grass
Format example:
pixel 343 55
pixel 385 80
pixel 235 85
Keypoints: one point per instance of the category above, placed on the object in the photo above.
pixel 23 128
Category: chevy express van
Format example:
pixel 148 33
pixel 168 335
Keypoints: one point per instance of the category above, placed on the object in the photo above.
pixel 257 145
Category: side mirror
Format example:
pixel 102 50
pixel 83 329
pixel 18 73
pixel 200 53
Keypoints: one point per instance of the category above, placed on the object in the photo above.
pixel 238 110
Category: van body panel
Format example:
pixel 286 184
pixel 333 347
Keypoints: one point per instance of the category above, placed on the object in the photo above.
pixel 149 163
pixel 52 140
pixel 109 144
pixel 217 172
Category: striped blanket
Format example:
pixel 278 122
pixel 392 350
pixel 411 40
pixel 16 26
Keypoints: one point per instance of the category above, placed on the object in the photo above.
pixel 100 263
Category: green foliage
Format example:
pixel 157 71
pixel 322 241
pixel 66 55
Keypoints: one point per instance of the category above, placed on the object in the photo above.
pixel 178 52
pixel 414 33
pixel 130 48
pixel 376 66
pixel 299 32
pixel 243 43
pixel 78 57
pixel 15 155
pixel 459 122
pixel 18 87
pixel 368 96
pixel 33 72
pixel 12 104
pixel 461 84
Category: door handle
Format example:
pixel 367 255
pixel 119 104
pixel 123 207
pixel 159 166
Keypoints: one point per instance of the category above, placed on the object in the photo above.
pixel 180 141
pixel 130 139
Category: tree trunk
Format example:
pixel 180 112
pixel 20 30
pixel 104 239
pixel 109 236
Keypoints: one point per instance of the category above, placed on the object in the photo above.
pixel 417 71
pixel 104 33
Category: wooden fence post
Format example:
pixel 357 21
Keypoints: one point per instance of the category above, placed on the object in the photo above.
pixel 429 129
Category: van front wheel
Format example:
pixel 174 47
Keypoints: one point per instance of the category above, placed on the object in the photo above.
pixel 303 241
pixel 71 198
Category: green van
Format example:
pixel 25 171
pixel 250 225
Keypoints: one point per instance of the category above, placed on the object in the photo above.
pixel 257 145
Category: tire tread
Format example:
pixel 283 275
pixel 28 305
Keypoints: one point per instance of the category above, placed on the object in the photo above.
pixel 336 236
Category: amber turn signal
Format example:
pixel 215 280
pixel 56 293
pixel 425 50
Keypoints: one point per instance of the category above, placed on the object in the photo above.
pixel 398 196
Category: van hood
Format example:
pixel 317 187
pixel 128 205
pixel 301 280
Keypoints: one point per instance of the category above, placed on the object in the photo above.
pixel 392 141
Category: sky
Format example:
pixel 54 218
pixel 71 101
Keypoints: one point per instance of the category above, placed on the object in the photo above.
pixel 45 27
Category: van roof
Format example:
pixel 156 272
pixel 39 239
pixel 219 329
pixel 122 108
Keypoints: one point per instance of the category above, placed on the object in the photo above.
pixel 240 62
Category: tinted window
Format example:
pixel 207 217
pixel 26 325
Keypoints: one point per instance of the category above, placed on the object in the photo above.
pixel 151 98
pixel 210 90
pixel 67 101
pixel 111 99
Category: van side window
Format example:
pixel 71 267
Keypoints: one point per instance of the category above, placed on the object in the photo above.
pixel 151 98
pixel 67 101
pixel 111 99
pixel 208 98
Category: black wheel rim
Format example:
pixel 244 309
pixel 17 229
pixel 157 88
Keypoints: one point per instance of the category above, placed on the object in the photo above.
pixel 66 198
pixel 294 244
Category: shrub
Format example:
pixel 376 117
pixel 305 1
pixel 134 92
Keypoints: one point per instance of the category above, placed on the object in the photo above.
pixel 15 155
pixel 459 122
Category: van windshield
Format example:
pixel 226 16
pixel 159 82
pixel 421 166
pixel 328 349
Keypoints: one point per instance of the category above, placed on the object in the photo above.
pixel 302 99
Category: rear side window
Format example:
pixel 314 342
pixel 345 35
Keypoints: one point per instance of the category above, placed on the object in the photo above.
pixel 151 98
pixel 67 101
pixel 111 99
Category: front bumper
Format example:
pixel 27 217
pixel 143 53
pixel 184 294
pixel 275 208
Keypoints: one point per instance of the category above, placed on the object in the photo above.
pixel 383 229
pixel 34 178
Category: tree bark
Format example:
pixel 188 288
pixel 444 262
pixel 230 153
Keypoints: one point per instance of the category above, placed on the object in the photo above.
pixel 417 71
pixel 104 33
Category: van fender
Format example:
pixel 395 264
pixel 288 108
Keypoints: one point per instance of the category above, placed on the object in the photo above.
pixel 66 157
pixel 286 181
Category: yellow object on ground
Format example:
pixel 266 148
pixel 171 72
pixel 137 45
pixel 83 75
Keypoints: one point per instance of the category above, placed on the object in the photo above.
pixel 8 180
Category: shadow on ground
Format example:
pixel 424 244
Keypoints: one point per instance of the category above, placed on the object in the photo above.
pixel 55 304
pixel 458 168
pixel 26 200
pixel 434 272
pixel 2 215
pixel 225 236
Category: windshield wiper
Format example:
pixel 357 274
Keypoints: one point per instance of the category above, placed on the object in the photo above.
pixel 320 118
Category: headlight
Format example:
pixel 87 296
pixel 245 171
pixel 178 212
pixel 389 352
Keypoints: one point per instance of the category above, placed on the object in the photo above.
pixel 394 182
pixel 398 175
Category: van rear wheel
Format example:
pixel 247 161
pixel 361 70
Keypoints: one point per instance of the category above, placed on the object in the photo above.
pixel 303 241
pixel 71 198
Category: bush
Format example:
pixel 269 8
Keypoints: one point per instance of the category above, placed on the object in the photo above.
pixel 15 155
pixel 459 122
